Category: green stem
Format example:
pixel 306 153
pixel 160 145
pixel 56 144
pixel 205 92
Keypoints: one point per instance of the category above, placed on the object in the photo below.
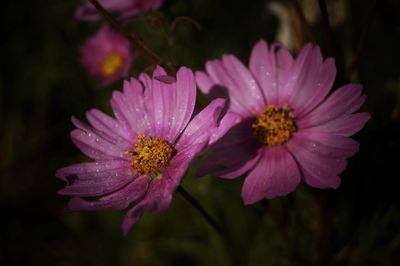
pixel 195 203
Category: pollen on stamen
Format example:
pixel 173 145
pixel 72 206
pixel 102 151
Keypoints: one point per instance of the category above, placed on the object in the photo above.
pixel 275 125
pixel 150 155
pixel 112 64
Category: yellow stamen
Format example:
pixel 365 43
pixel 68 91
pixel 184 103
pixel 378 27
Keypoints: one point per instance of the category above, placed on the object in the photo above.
pixel 275 125
pixel 112 64
pixel 150 155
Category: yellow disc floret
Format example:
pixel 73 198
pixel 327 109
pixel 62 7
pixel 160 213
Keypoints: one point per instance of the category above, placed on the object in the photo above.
pixel 111 64
pixel 275 125
pixel 150 155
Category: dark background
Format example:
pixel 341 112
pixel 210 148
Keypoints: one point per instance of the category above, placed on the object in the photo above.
pixel 42 85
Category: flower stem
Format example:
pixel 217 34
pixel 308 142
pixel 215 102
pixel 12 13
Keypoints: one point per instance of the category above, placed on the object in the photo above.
pixel 151 56
pixel 195 203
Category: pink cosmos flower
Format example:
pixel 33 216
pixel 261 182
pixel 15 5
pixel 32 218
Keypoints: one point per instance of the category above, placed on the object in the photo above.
pixel 123 8
pixel 106 56
pixel 287 126
pixel 140 155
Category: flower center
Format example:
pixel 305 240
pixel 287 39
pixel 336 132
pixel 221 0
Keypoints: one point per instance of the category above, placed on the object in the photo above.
pixel 150 155
pixel 275 125
pixel 112 64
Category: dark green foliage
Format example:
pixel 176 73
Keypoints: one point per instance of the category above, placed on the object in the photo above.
pixel 42 85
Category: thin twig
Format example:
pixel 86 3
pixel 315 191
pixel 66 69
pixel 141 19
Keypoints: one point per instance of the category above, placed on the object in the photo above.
pixel 306 25
pixel 153 57
pixel 188 19
pixel 194 202
pixel 361 42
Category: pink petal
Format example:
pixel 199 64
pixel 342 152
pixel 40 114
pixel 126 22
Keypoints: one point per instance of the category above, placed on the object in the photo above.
pixel 343 101
pixel 309 80
pixel 297 73
pixel 118 200
pixel 275 175
pixel 318 171
pixel 239 101
pixel 317 89
pixel 345 125
pixel 210 88
pixel 204 82
pixel 95 146
pixel 102 122
pixel 325 144
pixel 109 129
pixel 268 67
pixel 161 104
pixel 173 104
pixel 246 87
pixel 130 109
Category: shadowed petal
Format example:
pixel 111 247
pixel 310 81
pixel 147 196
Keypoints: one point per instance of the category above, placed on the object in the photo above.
pixel 236 169
pixel 227 122
pixel 231 161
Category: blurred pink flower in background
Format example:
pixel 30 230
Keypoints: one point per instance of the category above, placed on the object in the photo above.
pixel 124 9
pixel 141 155
pixel 106 56
pixel 288 128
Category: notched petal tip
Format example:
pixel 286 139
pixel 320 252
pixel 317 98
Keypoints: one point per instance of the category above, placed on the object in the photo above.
pixel 159 71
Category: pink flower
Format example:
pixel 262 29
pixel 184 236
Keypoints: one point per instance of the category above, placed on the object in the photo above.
pixel 141 155
pixel 123 8
pixel 106 56
pixel 287 127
